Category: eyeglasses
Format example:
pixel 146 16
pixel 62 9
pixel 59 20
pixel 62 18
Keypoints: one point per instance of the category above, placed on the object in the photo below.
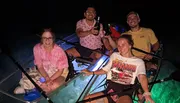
pixel 47 38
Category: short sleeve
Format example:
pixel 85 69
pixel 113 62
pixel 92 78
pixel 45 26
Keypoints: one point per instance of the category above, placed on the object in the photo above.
pixel 108 66
pixel 62 61
pixel 141 68
pixel 37 55
pixel 152 36
pixel 79 24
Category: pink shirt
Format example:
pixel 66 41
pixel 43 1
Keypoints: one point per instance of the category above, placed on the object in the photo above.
pixel 90 41
pixel 51 61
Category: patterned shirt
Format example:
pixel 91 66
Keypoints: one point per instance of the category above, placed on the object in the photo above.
pixel 51 61
pixel 90 41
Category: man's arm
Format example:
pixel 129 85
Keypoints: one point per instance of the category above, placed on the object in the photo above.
pixel 111 42
pixel 155 46
pixel 153 40
pixel 107 44
pixel 82 33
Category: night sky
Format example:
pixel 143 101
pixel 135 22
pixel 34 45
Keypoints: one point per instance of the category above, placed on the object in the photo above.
pixel 35 14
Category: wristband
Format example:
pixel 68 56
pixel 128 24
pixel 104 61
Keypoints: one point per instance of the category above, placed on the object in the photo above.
pixel 146 94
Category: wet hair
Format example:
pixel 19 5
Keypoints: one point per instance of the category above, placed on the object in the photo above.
pixel 132 12
pixel 128 38
pixel 48 30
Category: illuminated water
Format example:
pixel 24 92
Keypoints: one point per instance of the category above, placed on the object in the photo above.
pixel 165 92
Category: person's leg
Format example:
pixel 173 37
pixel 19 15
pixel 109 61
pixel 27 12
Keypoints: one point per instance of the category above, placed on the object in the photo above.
pixel 124 99
pixel 150 65
pixel 96 95
pixel 95 56
pixel 57 83
pixel 87 53
pixel 73 52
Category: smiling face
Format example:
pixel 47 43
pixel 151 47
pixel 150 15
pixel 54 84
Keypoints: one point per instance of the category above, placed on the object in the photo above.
pixel 47 39
pixel 133 20
pixel 90 13
pixel 123 46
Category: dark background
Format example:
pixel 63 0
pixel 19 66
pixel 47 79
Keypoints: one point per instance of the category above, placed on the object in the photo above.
pixel 21 18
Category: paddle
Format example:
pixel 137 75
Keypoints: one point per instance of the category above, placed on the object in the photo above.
pixel 137 49
pixel 7 51
pixel 147 53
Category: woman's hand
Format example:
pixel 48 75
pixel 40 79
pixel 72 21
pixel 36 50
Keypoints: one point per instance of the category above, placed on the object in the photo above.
pixel 48 81
pixel 149 99
pixel 87 72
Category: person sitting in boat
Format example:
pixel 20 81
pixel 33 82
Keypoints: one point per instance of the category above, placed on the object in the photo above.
pixel 52 64
pixel 122 70
pixel 91 40
pixel 51 61
pixel 144 38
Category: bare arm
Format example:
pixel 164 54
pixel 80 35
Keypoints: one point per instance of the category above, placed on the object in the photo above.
pixel 111 41
pixel 107 44
pixel 144 82
pixel 57 74
pixel 156 46
pixel 42 72
pixel 98 72
pixel 82 33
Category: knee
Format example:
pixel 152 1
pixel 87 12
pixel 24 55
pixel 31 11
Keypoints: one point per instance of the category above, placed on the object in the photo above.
pixel 73 52
pixel 55 85
pixel 69 51
pixel 98 55
pixel 87 97
pixel 58 83
pixel 124 99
